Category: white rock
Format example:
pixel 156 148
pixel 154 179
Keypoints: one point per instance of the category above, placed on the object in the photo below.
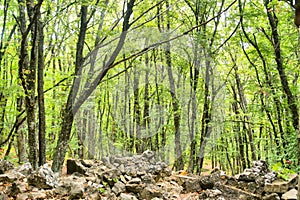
pixel 290 195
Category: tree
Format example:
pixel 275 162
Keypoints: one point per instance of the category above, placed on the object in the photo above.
pixel 72 107
pixel 27 70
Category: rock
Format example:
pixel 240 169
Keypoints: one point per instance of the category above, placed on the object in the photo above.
pixel 229 180
pixel 25 169
pixel 5 166
pixel 22 196
pixel 236 193
pixel 40 194
pixel 290 195
pixel 252 187
pixel 247 176
pixel 110 176
pixel 124 196
pixel 261 166
pixel 43 178
pixel 151 191
pixel 147 178
pixel 270 177
pixel 208 181
pixel 118 188
pixel 77 191
pixel 62 190
pixel 192 185
pixel 75 166
pixel 3 196
pixel 87 163
pixel 112 197
pixel 135 181
pixel 273 196
pixel 280 186
pixel 171 188
pixel 8 178
pixel 148 154
pixel 13 190
pixel 92 191
pixel 134 185
pixel 211 194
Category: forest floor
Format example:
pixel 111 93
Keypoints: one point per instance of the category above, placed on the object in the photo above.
pixel 139 177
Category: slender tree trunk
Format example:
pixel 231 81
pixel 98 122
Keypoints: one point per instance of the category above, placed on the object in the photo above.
pixel 273 20
pixel 176 113
pixel 178 164
pixel 100 137
pixel 80 130
pixel 137 112
pixel 21 137
pixel 244 107
pixel 206 117
pixel 91 133
pixel 41 101
pixel 27 72
pixel 147 143
pixel 237 130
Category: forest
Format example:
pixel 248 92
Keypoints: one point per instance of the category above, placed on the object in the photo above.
pixel 198 82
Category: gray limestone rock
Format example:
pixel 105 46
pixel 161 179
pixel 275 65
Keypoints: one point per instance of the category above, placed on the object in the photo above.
pixel 273 196
pixel 25 169
pixel 151 191
pixel 43 178
pixel 118 188
pixel 5 166
pixel 77 191
pixel 191 185
pixel 124 196
pixel 290 195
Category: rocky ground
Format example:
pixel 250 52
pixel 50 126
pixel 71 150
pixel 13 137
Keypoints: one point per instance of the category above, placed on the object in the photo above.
pixel 139 177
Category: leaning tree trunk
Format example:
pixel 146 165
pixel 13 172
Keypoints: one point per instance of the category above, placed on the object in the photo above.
pixel 72 107
pixel 68 113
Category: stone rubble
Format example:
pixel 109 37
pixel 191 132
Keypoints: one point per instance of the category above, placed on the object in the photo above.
pixel 139 177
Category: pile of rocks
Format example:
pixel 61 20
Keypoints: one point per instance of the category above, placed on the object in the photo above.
pixel 138 177
pixel 134 177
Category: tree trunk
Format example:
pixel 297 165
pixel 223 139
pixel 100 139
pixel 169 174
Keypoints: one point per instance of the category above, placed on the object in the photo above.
pixel 27 72
pixel 21 137
pixel 273 20
pixel 244 107
pixel 237 130
pixel 137 113
pixel 91 132
pixel 178 164
pixel 41 101
pixel 176 113
pixel 71 109
pixel 206 118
